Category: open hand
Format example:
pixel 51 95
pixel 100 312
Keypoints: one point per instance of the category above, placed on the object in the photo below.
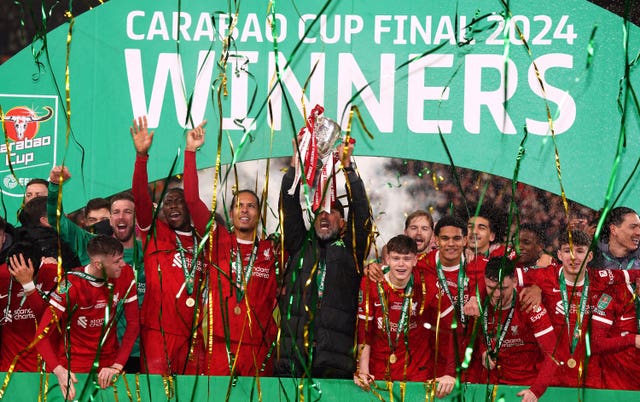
pixel 195 137
pixel 142 138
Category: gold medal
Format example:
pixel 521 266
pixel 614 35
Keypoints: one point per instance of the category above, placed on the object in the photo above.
pixel 393 358
pixel 190 302
pixel 237 310
pixel 571 363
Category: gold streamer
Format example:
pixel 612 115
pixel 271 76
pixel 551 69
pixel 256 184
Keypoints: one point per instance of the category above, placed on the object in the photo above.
pixel 46 387
pixel 430 390
pixel 196 319
pixel 208 327
pixel 281 256
pixel 354 109
pixel 126 386
pixel 12 366
pixel 435 359
pixel 434 177
pixel 67 85
pixel 563 195
pixel 67 88
pixel 424 294
pixel 374 390
pixel 58 217
pixel 307 285
pixel 137 377
pixel 115 389
pixel 42 375
pixel 372 234
pixel 169 389
pixel 301 389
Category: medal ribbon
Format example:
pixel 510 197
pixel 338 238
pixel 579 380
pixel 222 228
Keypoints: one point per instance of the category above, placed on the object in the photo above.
pixel 243 274
pixel 6 314
pixel 629 264
pixel 493 351
pixel 443 283
pixel 86 276
pixel 404 313
pixel 189 271
pixel 583 304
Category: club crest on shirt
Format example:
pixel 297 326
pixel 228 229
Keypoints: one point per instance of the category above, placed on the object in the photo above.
pixel 514 330
pixel 65 285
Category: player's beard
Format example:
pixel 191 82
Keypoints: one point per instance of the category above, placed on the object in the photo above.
pixel 123 238
pixel 324 235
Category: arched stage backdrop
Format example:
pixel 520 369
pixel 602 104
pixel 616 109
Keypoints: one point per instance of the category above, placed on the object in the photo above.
pixel 413 69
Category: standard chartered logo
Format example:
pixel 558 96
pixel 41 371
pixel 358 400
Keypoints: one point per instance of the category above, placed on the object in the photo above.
pixel 10 182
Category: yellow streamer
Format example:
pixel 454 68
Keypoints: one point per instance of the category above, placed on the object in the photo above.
pixel 169 389
pixel 494 393
pixel 46 387
pixel 563 195
pixel 126 386
pixel 115 389
pixel 137 387
pixel 7 378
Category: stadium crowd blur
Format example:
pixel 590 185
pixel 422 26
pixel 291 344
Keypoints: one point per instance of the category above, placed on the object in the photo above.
pixel 535 206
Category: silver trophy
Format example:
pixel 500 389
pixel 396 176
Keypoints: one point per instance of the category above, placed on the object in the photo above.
pixel 327 133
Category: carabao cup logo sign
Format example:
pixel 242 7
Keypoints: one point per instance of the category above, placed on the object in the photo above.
pixel 22 122
pixel 29 127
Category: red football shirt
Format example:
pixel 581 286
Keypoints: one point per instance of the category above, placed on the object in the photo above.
pixel 600 283
pixel 166 305
pixel 442 307
pixel 613 340
pixel 411 353
pixel 87 307
pixel 20 319
pixel 524 355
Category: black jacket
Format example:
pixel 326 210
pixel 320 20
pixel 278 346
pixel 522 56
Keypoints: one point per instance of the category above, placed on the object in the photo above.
pixel 46 239
pixel 330 323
